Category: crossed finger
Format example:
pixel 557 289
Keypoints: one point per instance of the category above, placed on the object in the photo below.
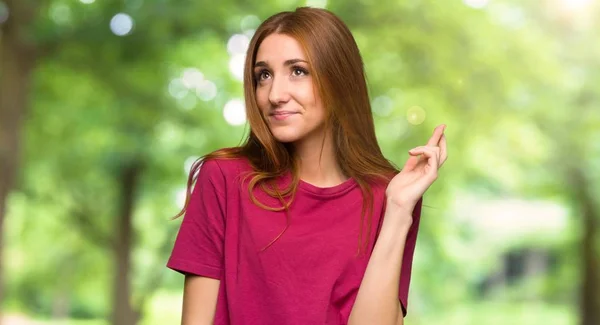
pixel 438 132
pixel 443 150
pixel 431 153
pixel 438 139
pixel 438 143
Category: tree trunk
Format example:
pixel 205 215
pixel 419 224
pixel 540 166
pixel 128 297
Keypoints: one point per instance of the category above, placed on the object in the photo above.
pixel 61 302
pixel 17 60
pixel 123 312
pixel 536 265
pixel 590 268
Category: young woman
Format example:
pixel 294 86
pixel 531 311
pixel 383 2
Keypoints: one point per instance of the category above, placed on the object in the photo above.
pixel 307 222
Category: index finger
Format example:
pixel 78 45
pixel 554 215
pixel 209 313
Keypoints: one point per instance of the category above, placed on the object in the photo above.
pixel 437 135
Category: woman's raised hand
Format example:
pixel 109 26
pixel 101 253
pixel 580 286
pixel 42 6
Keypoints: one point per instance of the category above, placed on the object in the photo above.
pixel 419 172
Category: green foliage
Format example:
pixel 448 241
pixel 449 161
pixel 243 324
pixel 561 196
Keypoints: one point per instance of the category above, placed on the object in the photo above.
pixel 520 105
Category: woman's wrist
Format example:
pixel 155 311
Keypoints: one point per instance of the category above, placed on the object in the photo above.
pixel 399 214
pixel 394 228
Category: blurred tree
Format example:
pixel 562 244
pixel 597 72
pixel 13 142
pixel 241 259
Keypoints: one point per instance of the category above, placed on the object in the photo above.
pixel 110 119
pixel 569 125
pixel 112 138
pixel 18 54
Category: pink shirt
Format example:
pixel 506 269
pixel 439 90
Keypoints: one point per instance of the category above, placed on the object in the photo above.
pixel 310 275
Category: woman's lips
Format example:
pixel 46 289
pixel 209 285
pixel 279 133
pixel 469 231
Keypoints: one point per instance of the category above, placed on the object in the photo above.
pixel 280 116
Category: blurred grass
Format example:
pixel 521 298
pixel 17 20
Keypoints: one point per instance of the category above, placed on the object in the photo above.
pixel 497 313
pixel 165 309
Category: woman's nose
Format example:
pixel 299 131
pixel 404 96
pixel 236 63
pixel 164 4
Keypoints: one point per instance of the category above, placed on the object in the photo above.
pixel 279 91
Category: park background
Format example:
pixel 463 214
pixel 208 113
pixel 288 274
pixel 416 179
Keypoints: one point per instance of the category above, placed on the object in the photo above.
pixel 105 104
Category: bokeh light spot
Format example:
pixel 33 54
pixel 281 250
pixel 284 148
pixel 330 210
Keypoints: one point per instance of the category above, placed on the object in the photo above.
pixel 477 4
pixel 87 2
pixel 207 90
pixel 238 44
pixel 177 89
pixel 234 112
pixel 236 66
pixel 188 102
pixel 574 5
pixel 192 81
pixel 510 16
pixel 192 78
pixel 4 13
pixel 188 163
pixel 121 24
pixel 60 14
pixel 415 115
pixel 180 197
pixel 316 3
pixel 382 106
pixel 249 23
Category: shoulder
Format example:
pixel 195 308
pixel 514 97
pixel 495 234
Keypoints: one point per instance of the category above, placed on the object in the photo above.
pixel 228 165
pixel 224 169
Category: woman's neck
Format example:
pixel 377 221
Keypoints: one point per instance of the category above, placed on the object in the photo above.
pixel 319 167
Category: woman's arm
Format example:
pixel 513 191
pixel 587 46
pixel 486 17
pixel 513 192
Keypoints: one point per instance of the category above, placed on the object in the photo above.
pixel 199 300
pixel 377 300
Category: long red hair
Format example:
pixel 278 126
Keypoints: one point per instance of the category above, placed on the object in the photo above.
pixel 338 75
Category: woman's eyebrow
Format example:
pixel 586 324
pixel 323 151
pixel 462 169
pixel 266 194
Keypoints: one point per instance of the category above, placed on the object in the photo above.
pixel 286 63
pixel 293 61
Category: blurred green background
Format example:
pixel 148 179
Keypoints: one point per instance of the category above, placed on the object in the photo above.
pixel 105 104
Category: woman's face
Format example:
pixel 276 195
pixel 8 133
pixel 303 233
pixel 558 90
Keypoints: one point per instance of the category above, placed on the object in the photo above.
pixel 285 93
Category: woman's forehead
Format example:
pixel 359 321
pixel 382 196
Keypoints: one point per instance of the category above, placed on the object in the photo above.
pixel 276 49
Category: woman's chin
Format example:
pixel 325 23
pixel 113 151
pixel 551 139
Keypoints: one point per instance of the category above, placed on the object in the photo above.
pixel 285 137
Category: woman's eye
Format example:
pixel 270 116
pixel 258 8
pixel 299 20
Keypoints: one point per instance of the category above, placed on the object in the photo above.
pixel 299 72
pixel 263 75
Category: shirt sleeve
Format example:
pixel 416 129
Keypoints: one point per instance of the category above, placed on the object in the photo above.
pixel 407 257
pixel 198 248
